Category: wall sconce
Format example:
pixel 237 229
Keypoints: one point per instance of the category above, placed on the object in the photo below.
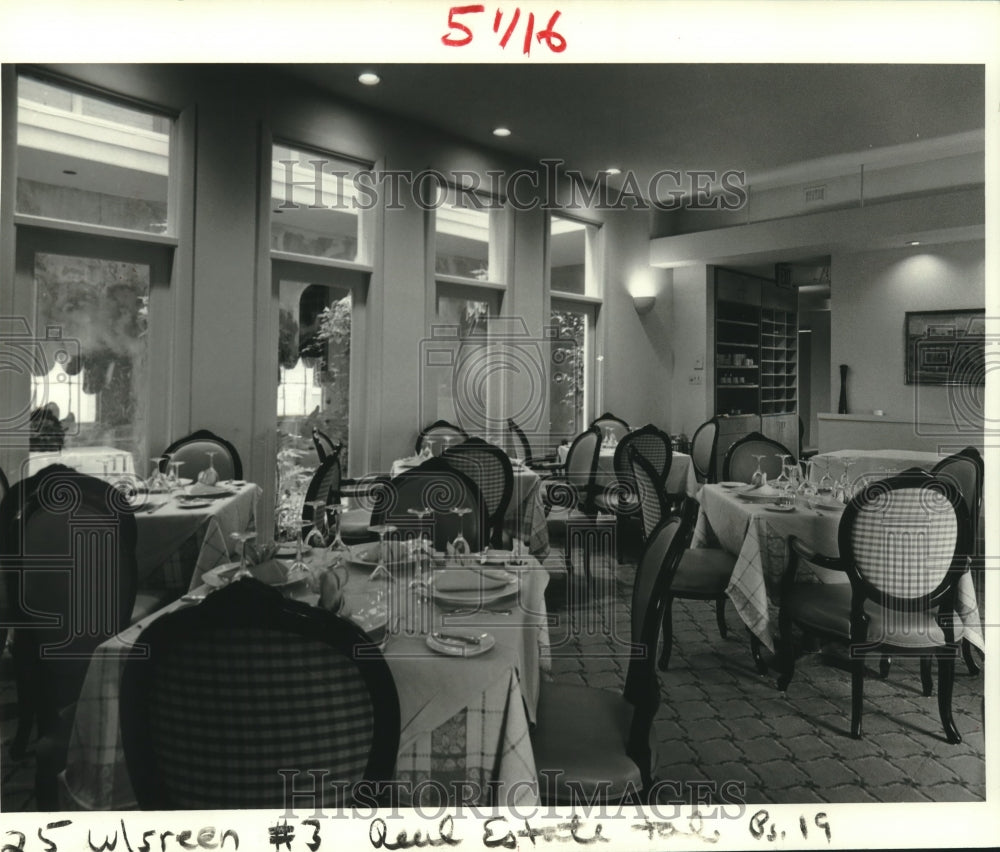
pixel 643 304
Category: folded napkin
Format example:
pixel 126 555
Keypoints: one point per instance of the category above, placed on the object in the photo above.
pixel 272 572
pixel 467 579
pixel 200 488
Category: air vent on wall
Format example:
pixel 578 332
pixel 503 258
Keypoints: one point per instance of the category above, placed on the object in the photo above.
pixel 815 193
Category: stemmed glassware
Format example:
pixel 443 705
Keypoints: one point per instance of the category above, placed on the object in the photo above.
pixel 460 545
pixel 758 474
pixel 299 566
pixel 381 578
pixel 844 487
pixel 157 481
pixel 243 538
pixel 320 531
pixel 825 487
pixel 424 545
pixel 209 476
pixel 807 488
pixel 174 478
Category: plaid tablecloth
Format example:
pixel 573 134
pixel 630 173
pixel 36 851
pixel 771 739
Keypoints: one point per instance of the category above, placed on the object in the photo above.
pixel 461 718
pixel 759 539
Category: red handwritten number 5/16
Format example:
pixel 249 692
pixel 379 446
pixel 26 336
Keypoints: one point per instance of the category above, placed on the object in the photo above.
pixel 555 41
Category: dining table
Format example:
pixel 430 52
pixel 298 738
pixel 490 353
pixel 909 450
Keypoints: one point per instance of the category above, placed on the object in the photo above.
pixel 465 714
pixel 870 463
pixel 524 518
pixel 681 478
pixel 94 461
pixel 757 533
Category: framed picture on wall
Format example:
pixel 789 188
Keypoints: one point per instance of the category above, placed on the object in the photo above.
pixel 946 347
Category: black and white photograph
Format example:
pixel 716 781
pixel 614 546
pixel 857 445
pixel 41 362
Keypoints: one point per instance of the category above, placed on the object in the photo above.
pixel 449 425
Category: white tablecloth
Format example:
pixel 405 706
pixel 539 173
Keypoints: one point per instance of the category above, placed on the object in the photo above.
pixel 871 463
pixel 759 539
pixel 681 478
pixel 460 718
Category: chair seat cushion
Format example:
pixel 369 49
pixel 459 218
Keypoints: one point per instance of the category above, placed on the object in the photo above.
pixel 703 571
pixel 354 525
pixel 580 737
pixel 826 608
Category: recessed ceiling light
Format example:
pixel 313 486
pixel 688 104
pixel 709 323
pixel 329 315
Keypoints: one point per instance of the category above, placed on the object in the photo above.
pixel 913 242
pixel 68 172
pixel 369 78
pixel 501 131
pixel 613 171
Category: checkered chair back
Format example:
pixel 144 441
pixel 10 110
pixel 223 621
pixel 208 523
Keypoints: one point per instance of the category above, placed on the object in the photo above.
pixel 581 464
pixel 739 464
pixel 703 450
pixel 79 533
pixel 193 452
pixel 651 504
pixel 965 471
pixel 490 468
pixel 437 486
pixel 608 421
pixel 325 486
pixel 652 444
pixel 221 697
pixel 899 538
pixel 434 434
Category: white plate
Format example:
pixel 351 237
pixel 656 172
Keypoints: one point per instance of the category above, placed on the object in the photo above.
pixel 289 551
pixel 780 508
pixel 458 648
pixel 732 484
pixel 504 558
pixel 193 504
pixel 209 492
pixel 474 597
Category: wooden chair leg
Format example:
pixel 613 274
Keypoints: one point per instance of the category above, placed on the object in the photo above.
pixel 926 681
pixel 755 651
pixel 970 658
pixel 857 696
pixel 884 665
pixel 720 615
pixel 946 680
pixel 668 634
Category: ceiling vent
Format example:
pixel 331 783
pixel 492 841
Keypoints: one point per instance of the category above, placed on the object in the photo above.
pixel 815 193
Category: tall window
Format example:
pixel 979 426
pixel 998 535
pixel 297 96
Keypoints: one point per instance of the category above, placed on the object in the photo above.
pixel 468 290
pixel 320 236
pixel 575 287
pixel 87 168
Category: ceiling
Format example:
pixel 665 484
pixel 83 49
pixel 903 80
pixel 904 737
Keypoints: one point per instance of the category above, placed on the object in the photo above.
pixel 761 119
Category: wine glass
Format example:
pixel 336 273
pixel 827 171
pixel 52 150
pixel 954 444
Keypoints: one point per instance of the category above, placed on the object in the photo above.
pixel 758 474
pixel 175 473
pixel 320 531
pixel 299 566
pixel 845 487
pixel 340 553
pixel 209 476
pixel 380 578
pixel 243 538
pixel 157 481
pixel 424 546
pixel 460 545
pixel 807 488
pixel 825 487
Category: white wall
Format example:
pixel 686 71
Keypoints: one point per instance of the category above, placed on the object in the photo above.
pixel 692 338
pixel 870 295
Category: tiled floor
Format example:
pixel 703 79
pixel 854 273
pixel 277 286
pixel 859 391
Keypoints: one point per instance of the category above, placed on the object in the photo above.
pixel 720 721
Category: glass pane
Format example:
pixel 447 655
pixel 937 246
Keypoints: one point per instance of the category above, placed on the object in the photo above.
pixel 568 255
pixel 95 399
pixel 568 379
pixel 87 159
pixel 314 382
pixel 462 239
pixel 315 209
pixel 461 379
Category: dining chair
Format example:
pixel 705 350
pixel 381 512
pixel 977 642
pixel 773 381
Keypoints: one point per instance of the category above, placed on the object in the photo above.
pixel 703 449
pixel 439 487
pixel 325 486
pixel 324 445
pixel 903 543
pixel 438 434
pixel 965 470
pixel 702 574
pixel 739 463
pixel 593 744
pixel 193 451
pixel 651 504
pixel 608 421
pixel 227 697
pixel 655 446
pixel 543 465
pixel 490 468
pixel 69 557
